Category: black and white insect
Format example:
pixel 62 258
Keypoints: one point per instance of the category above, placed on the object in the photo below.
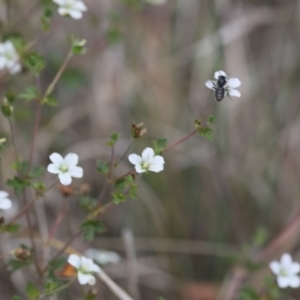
pixel 223 86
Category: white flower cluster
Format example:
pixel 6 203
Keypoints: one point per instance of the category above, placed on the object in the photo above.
pixel 286 271
pixel 9 58
pixel 72 8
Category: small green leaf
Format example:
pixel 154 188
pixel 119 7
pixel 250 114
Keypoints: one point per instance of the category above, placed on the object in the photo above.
pixel 15 298
pixel 32 292
pixel 10 228
pixel 103 167
pixel 211 119
pixel 119 197
pixel 50 287
pixel 34 62
pixel 39 188
pixel 50 100
pixel 206 132
pixel 30 93
pixel 78 46
pixel 87 203
pixel 20 166
pixel 159 145
pixel 46 18
pixel 37 172
pixel 18 184
pixel 90 228
pixel 113 139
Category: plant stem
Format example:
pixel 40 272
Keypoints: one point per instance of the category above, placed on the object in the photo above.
pixel 124 154
pixel 12 129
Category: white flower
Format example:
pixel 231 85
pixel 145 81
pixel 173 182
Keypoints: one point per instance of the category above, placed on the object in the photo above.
pixel 103 257
pixel 286 271
pixel 9 58
pixel 147 162
pixel 74 8
pixel 66 168
pixel 156 2
pixel 85 268
pixel 229 87
pixel 5 203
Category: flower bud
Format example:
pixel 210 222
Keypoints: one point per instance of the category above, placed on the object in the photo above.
pixel 137 130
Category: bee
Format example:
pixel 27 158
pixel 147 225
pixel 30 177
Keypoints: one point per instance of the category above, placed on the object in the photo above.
pixel 223 87
pixel 219 87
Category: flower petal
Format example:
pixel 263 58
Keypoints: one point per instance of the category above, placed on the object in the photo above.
pixel 74 260
pixel 52 168
pixel 139 169
pixel 76 172
pixel 59 2
pixel 16 68
pixel 148 154
pixel 233 82
pixel 275 267
pixel 135 159
pixel 283 282
pixel 63 11
pixel 286 261
pixel 234 93
pixel 295 268
pixel 65 178
pixel 80 6
pixel 2 62
pixel 57 159
pixel 75 14
pixel 71 159
pixel 86 278
pixel 210 84
pixel 3 194
pixel 157 164
pixel 220 73
pixel 294 281
pixel 5 204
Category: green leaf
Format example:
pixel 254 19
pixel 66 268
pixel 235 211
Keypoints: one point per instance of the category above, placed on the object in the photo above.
pixel 37 172
pixel 46 18
pixel 18 184
pixel 50 100
pixel 78 46
pixel 90 228
pixel 113 139
pixel 30 93
pixel 32 292
pixel 103 167
pixel 206 132
pixel 211 119
pixel 248 293
pixel 87 203
pixel 159 145
pixel 10 228
pixel 15 298
pixel 20 166
pixel 119 197
pixel 50 287
pixel 34 62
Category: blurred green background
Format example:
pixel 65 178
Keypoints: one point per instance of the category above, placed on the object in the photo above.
pixel 217 201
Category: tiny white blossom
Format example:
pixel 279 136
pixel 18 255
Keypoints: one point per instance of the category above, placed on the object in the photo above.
pixel 5 203
pixel 66 168
pixel 9 58
pixel 286 271
pixel 147 162
pixel 73 8
pixel 156 2
pixel 229 87
pixel 85 268
pixel 103 257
